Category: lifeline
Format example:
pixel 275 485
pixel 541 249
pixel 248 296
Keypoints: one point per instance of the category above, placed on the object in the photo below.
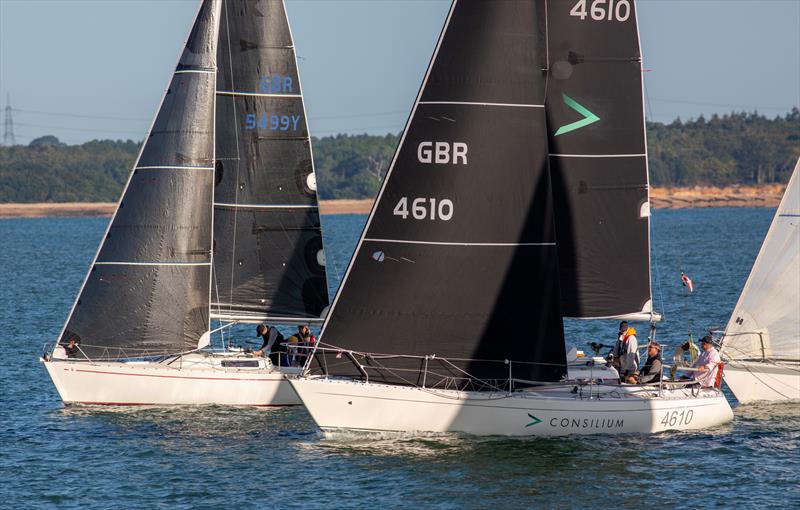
pixel 586 423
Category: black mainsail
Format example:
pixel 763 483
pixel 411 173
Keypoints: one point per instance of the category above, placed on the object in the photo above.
pixel 148 287
pixel 598 158
pixel 268 258
pixel 458 257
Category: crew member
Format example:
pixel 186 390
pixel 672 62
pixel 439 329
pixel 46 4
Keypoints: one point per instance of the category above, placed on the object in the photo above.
pixel 625 352
pixel 303 338
pixel 707 363
pixel 651 371
pixel 72 348
pixel 272 345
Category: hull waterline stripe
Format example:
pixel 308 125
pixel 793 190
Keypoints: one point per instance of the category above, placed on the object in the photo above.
pixel 254 94
pixel 273 206
pixel 119 263
pixel 518 105
pixel 403 241
pixel 597 155
pixel 166 167
pixel 180 377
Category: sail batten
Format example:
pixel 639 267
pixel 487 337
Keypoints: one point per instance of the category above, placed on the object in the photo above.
pixel 268 254
pixel 147 289
pixel 598 160
pixel 460 243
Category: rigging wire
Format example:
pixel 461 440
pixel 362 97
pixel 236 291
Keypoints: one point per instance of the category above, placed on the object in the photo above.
pixel 655 252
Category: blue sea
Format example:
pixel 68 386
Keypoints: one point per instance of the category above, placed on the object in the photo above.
pixel 216 457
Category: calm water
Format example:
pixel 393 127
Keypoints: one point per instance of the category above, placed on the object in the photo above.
pixel 241 458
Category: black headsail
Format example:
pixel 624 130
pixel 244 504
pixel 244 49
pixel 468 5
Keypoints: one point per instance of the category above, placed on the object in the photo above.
pixel 458 258
pixel 148 288
pixel 268 257
pixel 598 158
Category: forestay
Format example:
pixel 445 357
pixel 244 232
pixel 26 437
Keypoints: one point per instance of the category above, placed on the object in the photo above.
pixel 598 158
pixel 458 258
pixel 268 256
pixel 765 325
pixel 148 287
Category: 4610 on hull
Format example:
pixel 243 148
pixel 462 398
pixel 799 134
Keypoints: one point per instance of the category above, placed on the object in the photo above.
pixel 338 404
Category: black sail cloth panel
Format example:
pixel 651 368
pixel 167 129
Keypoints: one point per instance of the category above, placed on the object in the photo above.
pixel 459 257
pixel 268 258
pixel 148 290
pixel 598 158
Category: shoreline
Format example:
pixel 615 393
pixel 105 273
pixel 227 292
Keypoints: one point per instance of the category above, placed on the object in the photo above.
pixel 768 195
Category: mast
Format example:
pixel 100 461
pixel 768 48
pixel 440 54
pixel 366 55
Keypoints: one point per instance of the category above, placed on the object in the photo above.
pixel 765 324
pixel 598 158
pixel 269 262
pixel 147 290
pixel 458 258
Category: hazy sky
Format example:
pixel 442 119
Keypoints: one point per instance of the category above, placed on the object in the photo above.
pixel 96 69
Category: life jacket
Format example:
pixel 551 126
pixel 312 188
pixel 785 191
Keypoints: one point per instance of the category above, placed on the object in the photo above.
pixel 648 364
pixel 629 333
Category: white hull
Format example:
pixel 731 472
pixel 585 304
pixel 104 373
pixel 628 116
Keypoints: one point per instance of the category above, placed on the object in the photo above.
pixel 338 404
pixel 150 383
pixel 754 381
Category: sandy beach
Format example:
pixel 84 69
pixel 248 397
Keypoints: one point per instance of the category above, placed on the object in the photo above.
pixel 661 198
pixel 767 195
pixel 41 210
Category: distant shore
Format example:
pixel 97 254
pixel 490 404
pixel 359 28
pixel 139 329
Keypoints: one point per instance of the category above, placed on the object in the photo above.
pixel 660 198
pixel 49 209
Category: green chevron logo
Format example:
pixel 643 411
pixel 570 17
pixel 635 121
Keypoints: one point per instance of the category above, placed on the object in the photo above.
pixel 588 117
pixel 535 421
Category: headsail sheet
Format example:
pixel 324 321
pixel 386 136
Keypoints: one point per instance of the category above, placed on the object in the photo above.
pixel 765 324
pixel 598 157
pixel 148 288
pixel 458 257
pixel 268 257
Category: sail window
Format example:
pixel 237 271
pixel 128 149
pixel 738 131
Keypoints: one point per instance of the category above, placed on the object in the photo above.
pixel 219 172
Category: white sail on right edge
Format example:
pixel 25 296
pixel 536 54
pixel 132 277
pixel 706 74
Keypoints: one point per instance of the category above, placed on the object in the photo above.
pixel 766 321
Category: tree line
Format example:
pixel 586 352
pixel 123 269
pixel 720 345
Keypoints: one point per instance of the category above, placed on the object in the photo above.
pixel 737 148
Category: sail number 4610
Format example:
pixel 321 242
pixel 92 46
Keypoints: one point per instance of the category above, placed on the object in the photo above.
pixel 599 10
pixel 675 418
pixel 424 208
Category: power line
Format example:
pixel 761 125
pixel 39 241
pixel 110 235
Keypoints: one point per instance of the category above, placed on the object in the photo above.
pixel 78 115
pixel 139 133
pixel 722 105
pixel 109 117
pixel 358 115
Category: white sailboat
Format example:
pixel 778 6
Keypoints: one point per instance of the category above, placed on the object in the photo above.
pixel 761 343
pixel 218 225
pixel 518 196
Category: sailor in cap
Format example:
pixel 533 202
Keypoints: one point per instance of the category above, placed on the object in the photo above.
pixel 707 363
